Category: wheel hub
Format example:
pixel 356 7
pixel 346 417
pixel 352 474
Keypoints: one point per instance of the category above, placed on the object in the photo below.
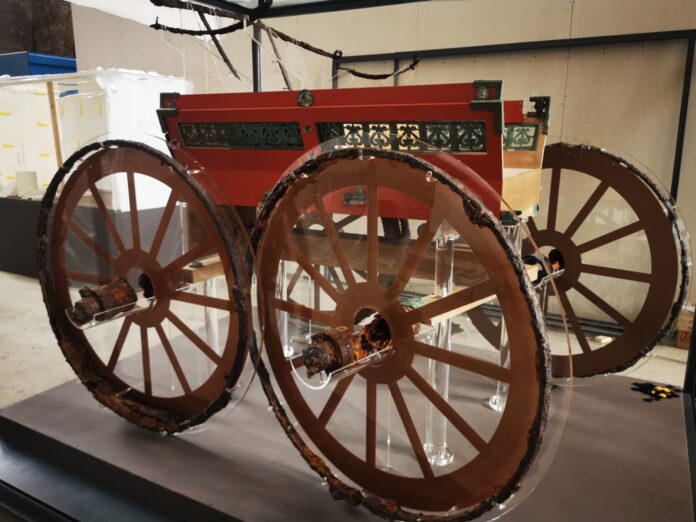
pixel 374 297
pixel 570 253
pixel 143 271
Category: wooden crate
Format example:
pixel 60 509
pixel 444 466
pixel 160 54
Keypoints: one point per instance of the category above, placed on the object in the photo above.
pixel 685 325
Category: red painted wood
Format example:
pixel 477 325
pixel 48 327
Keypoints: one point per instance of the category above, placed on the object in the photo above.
pixel 244 176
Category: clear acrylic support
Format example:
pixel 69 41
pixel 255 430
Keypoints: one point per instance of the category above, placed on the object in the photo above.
pixel 113 314
pixel 497 401
pixel 323 379
pixel 212 319
pixel 288 350
pixel 435 444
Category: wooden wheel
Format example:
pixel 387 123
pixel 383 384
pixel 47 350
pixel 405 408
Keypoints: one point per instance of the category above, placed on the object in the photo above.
pixel 398 186
pixel 657 282
pixel 619 241
pixel 158 367
pixel 648 221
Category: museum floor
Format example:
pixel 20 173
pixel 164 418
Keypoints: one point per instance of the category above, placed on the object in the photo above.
pixel 599 456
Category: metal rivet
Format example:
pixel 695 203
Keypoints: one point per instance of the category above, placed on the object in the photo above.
pixel 305 98
pixel 482 92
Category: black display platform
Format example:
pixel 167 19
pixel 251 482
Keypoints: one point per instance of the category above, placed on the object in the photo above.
pixel 621 459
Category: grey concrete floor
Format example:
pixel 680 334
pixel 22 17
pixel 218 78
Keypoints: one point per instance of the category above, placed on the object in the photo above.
pixel 31 362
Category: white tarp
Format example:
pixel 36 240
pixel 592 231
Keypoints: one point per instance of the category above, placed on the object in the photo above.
pixel 93 105
pixel 142 11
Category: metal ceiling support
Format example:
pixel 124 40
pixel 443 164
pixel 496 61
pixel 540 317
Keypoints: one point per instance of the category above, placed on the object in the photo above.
pixel 268 11
pixel 256 59
pixel 223 55
pixel 683 111
pixel 525 46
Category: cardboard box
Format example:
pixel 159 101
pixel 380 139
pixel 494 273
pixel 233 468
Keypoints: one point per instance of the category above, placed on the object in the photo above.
pixel 685 327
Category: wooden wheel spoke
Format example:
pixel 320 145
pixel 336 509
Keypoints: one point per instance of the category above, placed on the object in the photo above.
pixel 203 300
pixel 331 233
pixel 601 304
pixel 370 422
pixel 415 255
pixel 441 404
pixel 334 399
pixel 135 226
pixel 79 232
pixel 107 218
pixel 197 341
pixel 163 224
pixel 575 324
pixel 468 297
pixel 116 352
pixel 372 232
pixel 294 279
pixel 587 208
pixel 610 237
pixel 304 312
pixel 411 431
pixel 465 362
pixel 147 373
pixel 200 250
pixel 345 222
pixel 618 273
pixel 87 278
pixel 531 225
pixel 553 198
pixel 178 370
pixel 312 272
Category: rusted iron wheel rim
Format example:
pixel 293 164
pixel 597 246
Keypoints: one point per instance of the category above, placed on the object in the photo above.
pixel 667 280
pixel 474 487
pixel 142 406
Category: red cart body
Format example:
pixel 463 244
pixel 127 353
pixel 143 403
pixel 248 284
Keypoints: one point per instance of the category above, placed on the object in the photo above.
pixel 245 141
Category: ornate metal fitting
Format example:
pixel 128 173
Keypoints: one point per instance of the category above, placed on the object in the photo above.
pixel 542 109
pixel 488 90
pixel 243 135
pixel 482 92
pixel 415 136
pixel 305 98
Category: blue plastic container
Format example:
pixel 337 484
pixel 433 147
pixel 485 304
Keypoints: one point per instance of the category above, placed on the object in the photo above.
pixel 25 64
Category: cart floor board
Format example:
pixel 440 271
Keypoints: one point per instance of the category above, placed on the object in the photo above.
pixel 621 459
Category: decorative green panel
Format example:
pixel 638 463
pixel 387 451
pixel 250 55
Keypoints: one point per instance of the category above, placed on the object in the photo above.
pixel 520 136
pixel 250 136
pixel 424 136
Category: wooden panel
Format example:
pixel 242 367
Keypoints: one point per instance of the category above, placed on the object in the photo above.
pixel 599 17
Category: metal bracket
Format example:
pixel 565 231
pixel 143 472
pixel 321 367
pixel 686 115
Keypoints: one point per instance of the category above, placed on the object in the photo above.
pixel 165 111
pixel 542 108
pixel 491 105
